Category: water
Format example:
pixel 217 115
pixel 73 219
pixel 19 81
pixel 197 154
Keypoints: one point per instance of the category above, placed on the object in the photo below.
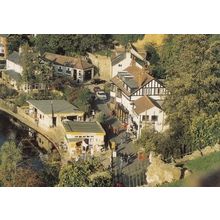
pixel 31 153
pixel 5 127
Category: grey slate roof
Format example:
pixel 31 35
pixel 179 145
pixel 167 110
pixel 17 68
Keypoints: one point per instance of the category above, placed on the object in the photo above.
pixel 119 58
pixel 128 79
pixel 14 75
pixel 15 58
pixel 79 126
pixel 59 106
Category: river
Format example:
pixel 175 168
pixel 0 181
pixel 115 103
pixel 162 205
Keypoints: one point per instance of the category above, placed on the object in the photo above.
pixel 30 150
pixel 6 128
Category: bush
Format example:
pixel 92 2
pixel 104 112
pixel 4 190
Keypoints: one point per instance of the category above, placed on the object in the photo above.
pixel 101 117
pixel 6 92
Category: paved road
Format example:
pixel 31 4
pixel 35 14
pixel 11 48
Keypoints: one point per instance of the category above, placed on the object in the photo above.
pixel 132 174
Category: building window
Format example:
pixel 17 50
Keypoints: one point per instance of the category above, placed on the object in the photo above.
pixel 120 65
pixel 154 118
pixel 60 69
pixel 145 117
pixel 68 71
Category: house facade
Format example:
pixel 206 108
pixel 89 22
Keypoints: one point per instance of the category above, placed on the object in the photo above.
pixel 51 113
pixel 133 87
pixel 124 59
pixel 147 111
pixel 4 45
pixel 83 137
pixel 12 76
pixel 76 67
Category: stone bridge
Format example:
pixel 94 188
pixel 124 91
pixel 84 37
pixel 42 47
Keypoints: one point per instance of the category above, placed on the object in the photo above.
pixel 54 135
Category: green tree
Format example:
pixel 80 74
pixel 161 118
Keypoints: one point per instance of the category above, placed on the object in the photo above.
pixel 52 165
pixel 124 39
pixel 80 174
pixel 71 44
pixel 27 177
pixel 205 130
pixel 83 100
pixel 153 56
pixel 192 65
pixel 17 40
pixel 100 179
pixel 10 156
pixel 160 143
pixel 6 92
pixel 28 62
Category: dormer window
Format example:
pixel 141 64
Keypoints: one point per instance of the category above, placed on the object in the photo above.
pixel 68 71
pixel 60 69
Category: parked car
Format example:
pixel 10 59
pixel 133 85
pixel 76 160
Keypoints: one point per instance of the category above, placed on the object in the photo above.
pixel 98 81
pixel 96 89
pixel 101 95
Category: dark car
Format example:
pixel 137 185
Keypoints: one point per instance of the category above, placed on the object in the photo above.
pixel 98 81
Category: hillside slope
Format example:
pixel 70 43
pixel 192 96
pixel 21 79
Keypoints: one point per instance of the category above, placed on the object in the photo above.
pixel 157 39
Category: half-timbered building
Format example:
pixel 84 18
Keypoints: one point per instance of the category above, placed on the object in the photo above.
pixel 134 85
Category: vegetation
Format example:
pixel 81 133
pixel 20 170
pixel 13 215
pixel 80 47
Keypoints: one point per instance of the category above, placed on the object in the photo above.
pixel 124 39
pixel 17 40
pixel 84 173
pixel 201 166
pixel 34 70
pixel 70 44
pixel 191 65
pixel 6 92
pixel 83 100
pixel 13 172
pixel 10 156
pixel 153 56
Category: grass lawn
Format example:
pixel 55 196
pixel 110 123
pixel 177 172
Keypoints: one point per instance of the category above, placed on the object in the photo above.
pixel 199 166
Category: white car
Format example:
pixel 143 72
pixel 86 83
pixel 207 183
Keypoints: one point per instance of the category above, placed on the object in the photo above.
pixel 101 95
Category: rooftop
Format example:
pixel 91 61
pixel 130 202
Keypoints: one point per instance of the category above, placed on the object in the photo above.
pixel 14 75
pixel 85 127
pixel 141 76
pixel 76 62
pixel 59 106
pixel 118 58
pixel 144 103
pixel 134 77
pixel 15 58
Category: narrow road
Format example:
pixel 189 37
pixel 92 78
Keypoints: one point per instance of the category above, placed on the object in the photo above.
pixel 132 173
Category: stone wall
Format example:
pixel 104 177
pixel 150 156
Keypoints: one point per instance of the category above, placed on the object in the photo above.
pixel 160 172
pixel 103 64
pixel 196 154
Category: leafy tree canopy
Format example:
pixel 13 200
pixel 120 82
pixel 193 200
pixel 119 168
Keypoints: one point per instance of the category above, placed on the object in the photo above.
pixel 70 44
pixel 124 39
pixel 84 173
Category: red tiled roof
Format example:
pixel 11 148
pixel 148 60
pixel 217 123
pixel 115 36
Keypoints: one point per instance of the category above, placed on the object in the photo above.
pixel 144 103
pixel 141 76
pixel 76 62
